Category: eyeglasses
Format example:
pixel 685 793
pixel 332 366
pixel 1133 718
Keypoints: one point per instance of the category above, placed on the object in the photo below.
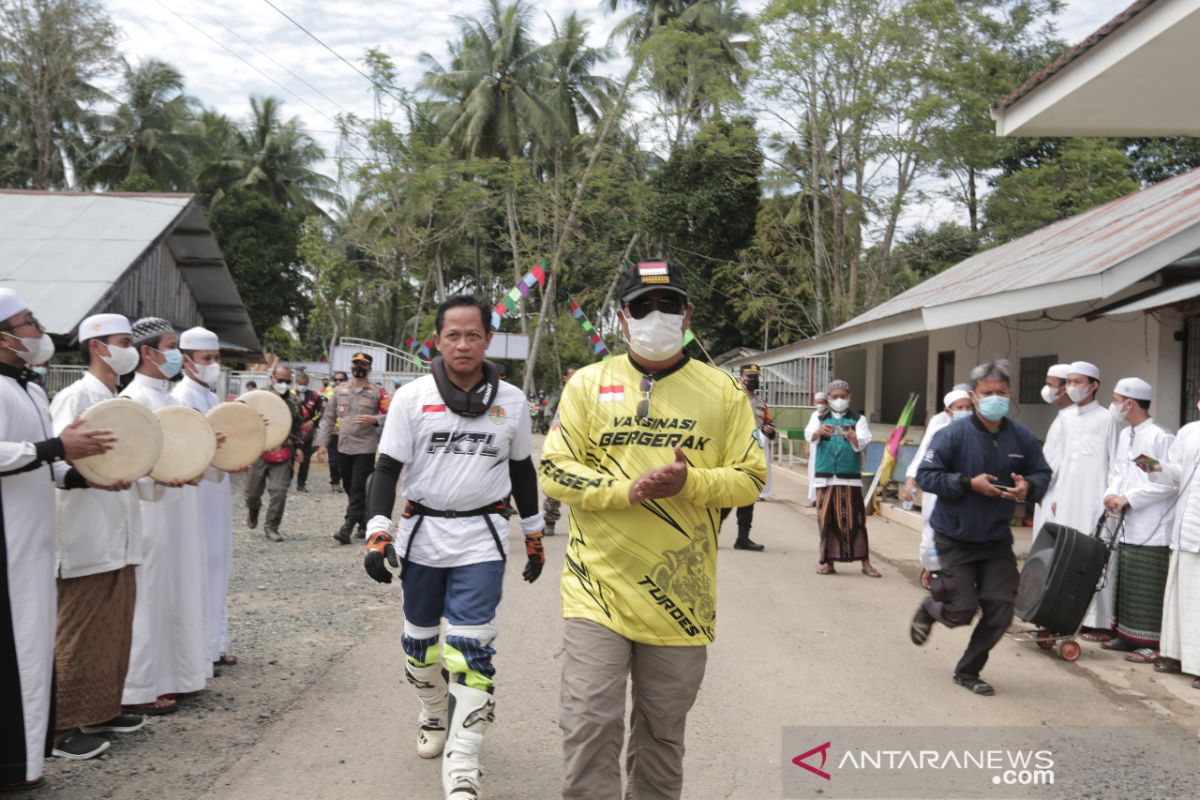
pixel 643 406
pixel 642 306
pixel 33 321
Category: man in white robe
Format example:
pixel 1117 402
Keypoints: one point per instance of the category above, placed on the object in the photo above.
pixel 1054 392
pixel 1180 642
pixel 31 464
pixel 201 371
pixel 170 652
pixel 1089 437
pixel 99 545
pixel 1143 554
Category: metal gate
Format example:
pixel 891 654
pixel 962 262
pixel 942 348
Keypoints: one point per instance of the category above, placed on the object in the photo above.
pixel 1191 370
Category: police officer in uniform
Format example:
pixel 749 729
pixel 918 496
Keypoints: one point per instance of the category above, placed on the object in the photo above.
pixel 356 412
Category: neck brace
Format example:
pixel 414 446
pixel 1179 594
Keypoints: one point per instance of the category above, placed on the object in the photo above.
pixel 467 404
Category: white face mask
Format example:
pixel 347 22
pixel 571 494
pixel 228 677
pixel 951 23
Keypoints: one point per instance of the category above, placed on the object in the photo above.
pixel 656 336
pixel 208 374
pixel 1049 394
pixel 122 360
pixel 1078 393
pixel 1119 411
pixel 37 351
pixel 839 404
pixel 281 388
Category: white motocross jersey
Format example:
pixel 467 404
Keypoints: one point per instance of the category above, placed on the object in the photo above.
pixel 455 463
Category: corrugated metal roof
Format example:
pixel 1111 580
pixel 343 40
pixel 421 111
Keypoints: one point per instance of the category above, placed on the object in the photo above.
pixel 63 251
pixel 1084 246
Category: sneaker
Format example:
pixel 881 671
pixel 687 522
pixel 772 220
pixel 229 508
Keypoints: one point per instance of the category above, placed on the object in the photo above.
pixel 79 746
pixel 252 518
pixel 336 488
pixel 343 534
pixel 123 723
pixel 922 624
pixel 302 489
pixel 548 530
pixel 361 533
pixel 273 534
pixel 975 685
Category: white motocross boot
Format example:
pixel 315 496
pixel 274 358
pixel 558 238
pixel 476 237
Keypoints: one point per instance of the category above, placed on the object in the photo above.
pixel 471 713
pixel 430 683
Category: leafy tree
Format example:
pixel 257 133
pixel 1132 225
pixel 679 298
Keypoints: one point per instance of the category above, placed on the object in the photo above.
pixel 260 239
pixel 147 134
pixel 703 210
pixel 1084 173
pixel 52 55
pixel 924 252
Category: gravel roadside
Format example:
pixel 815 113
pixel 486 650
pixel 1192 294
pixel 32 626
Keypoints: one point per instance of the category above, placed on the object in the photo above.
pixel 295 608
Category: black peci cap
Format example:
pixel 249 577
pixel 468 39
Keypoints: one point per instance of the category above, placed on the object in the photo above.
pixel 649 276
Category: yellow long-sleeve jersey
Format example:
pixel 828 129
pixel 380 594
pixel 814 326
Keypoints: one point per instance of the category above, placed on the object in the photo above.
pixel 648 571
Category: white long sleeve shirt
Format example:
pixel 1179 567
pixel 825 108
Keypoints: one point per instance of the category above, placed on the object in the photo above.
pixel 1181 471
pixel 98 531
pixel 1149 517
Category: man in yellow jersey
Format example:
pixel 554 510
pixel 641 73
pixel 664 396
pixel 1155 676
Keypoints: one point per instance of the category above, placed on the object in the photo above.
pixel 649 448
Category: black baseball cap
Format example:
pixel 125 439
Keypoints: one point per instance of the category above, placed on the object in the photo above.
pixel 649 276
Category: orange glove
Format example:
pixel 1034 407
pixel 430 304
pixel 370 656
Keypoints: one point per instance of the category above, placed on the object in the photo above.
pixel 536 555
pixel 379 548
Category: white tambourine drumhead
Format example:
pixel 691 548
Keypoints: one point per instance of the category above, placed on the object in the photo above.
pixel 139 441
pixel 189 444
pixel 245 435
pixel 276 412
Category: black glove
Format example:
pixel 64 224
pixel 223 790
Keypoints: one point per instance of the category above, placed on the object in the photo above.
pixel 537 557
pixel 379 547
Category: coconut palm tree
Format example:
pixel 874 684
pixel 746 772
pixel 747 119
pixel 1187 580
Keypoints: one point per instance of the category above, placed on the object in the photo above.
pixel 572 88
pixel 148 133
pixel 491 105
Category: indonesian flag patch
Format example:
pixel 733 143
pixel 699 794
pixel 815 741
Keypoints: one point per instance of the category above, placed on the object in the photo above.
pixel 653 272
pixel 433 409
pixel 612 394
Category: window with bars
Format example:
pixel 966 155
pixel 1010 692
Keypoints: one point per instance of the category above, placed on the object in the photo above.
pixel 1032 377
pixel 1191 369
pixel 793 383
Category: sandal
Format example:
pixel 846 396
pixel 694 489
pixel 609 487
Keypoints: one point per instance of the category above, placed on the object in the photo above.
pixel 1168 666
pixel 1144 655
pixel 871 572
pixel 975 685
pixel 1196 683
pixel 158 708
pixel 826 569
pixel 225 661
pixel 1119 644
pixel 1097 636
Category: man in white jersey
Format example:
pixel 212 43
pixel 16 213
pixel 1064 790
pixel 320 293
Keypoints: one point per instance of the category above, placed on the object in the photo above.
pixel 465 438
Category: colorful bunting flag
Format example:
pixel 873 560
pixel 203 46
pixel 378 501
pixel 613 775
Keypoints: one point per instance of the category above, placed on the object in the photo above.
pixel 597 343
pixel 512 299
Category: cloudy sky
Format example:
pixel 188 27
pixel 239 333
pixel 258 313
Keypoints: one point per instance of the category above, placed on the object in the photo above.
pixel 229 49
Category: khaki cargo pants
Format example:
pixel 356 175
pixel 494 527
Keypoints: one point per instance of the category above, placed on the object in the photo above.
pixel 596 664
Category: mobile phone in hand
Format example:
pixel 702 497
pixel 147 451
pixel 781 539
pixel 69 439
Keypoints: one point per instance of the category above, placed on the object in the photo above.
pixel 1147 463
pixel 1003 488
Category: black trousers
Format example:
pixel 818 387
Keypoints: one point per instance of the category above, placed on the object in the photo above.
pixel 302 471
pixel 335 461
pixel 745 517
pixel 974 577
pixel 356 469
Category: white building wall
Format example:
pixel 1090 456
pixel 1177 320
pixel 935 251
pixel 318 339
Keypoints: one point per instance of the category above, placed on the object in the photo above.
pixel 1132 345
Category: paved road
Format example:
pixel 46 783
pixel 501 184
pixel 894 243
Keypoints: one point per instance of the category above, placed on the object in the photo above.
pixel 793 648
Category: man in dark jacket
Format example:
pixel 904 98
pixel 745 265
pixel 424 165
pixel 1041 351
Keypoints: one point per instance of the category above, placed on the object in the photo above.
pixel 979 468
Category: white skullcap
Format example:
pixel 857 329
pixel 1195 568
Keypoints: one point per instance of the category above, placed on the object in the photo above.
pixel 98 325
pixel 820 396
pixel 963 387
pixel 1133 388
pixel 1084 368
pixel 199 339
pixel 11 304
pixel 954 397
pixel 1060 371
